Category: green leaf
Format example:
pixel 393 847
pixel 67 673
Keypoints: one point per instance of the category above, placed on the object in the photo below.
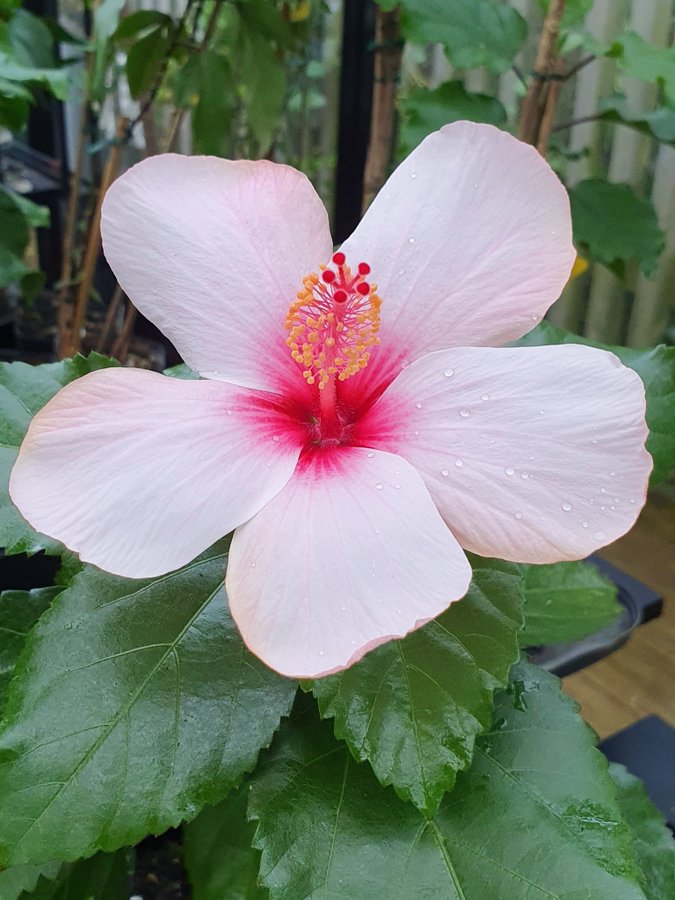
pixel 474 32
pixel 643 60
pixel 31 40
pixel 36 215
pixel 20 881
pixel 424 111
pixel 104 876
pixel 182 371
pixel 414 707
pixel 54 80
pixel 219 857
pixel 134 704
pixel 652 839
pixel 614 225
pixel 534 817
pixel 24 390
pixel 141 20
pixel 265 19
pixel 656 368
pixel 19 611
pixel 575 11
pixel 211 118
pixel 106 19
pixel 566 601
pixel 264 79
pixel 658 123
pixel 146 59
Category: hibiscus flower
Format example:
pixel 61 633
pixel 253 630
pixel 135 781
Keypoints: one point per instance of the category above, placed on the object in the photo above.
pixel 358 420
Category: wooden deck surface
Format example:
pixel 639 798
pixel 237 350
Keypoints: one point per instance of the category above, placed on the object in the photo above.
pixel 638 679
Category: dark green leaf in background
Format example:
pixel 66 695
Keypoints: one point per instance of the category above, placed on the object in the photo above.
pixel 414 707
pixel 264 80
pixel 134 704
pixel 614 225
pixel 641 59
pixel 141 20
pixel 473 32
pixel 24 390
pixel 566 601
pixel 220 860
pixel 146 59
pixel 535 817
pixel 658 123
pixel 212 117
pixel 31 40
pixel 19 611
pixel 652 839
pixel 575 11
pixel 104 876
pixel 656 368
pixel 424 111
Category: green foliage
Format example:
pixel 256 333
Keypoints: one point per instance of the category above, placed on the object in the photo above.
pixel 19 881
pixel 219 858
pixel 574 13
pixel 106 19
pixel 473 32
pixel 213 114
pixel 414 707
pixel 615 226
pixel 27 61
pixel 424 111
pixel 134 704
pixel 146 58
pixel 24 390
pixel 658 123
pixel 656 367
pixel 104 876
pixel 535 815
pixel 17 216
pixel 19 611
pixel 566 601
pixel 643 60
pixel 264 82
pixel 652 839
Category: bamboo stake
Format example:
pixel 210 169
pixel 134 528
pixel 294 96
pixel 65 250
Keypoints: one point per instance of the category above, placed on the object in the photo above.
pixel 545 70
pixel 93 245
pixel 387 65
pixel 113 308
pixel 120 348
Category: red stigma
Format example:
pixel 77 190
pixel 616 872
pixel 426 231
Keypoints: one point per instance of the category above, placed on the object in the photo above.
pixel 363 288
pixel 364 268
pixel 328 276
pixel 340 296
pixel 339 258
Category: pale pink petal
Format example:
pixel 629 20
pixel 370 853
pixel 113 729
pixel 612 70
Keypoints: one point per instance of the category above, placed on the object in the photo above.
pixel 213 252
pixel 350 554
pixel 469 241
pixel 532 454
pixel 138 473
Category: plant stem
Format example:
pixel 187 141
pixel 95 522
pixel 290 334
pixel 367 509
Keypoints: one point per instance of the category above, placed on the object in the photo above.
pixel 572 122
pixel 388 52
pixel 86 280
pixel 544 67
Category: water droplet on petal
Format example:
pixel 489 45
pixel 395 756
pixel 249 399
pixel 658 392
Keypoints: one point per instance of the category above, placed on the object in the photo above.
pixel 228 412
pixel 464 413
pixel 411 240
pixel 370 454
pixel 524 475
pixel 444 473
pixel 603 490
pixel 343 608
pixel 518 515
pixel 449 373
pixel 413 174
pixel 534 317
pixel 584 524
pixel 321 653
pixel 419 404
pixel 594 440
pixel 632 499
pixel 417 434
pixel 566 507
pixel 379 486
pixel 276 438
pixel 509 470
pixel 397 485
pixel 617 500
pixel 485 397
pixel 401 272
pixel 612 474
pixel 253 565
pixel 459 463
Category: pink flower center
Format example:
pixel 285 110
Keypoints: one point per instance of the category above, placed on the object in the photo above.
pixel 333 323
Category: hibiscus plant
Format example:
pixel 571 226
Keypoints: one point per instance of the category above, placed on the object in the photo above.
pixel 295 570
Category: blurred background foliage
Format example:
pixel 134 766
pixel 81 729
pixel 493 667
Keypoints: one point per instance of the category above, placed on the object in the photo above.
pixel 341 90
